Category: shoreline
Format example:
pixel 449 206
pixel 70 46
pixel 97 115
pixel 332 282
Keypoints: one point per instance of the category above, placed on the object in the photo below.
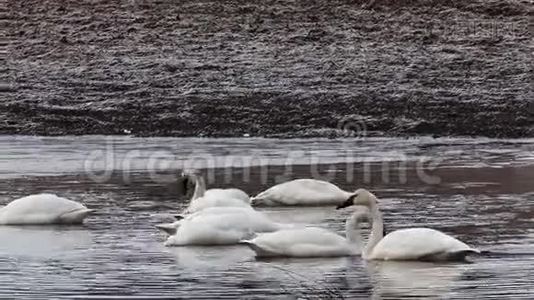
pixel 451 180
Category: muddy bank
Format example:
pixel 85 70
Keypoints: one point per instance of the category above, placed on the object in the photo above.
pixel 275 68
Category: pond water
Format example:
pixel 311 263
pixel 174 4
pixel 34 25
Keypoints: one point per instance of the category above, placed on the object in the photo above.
pixel 479 190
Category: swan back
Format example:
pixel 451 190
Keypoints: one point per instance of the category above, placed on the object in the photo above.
pixel 202 198
pixel 311 241
pixel 207 202
pixel 42 209
pixel 232 193
pixel 211 231
pixel 302 192
pixel 417 243
pixel 301 242
pixel 217 225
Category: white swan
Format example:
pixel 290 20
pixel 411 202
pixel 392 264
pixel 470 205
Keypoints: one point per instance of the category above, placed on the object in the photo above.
pixel 203 198
pixel 214 201
pixel 189 178
pixel 221 226
pixel 170 228
pixel 228 193
pixel 302 192
pixel 311 241
pixel 406 244
pixel 43 209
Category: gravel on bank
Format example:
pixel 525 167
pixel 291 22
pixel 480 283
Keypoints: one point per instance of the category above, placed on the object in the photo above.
pixel 268 68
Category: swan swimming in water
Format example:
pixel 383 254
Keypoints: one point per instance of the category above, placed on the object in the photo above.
pixel 170 228
pixel 406 244
pixel 220 226
pixel 302 192
pixel 203 198
pixel 42 209
pixel 311 241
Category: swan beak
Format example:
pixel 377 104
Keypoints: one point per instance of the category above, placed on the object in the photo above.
pixel 347 203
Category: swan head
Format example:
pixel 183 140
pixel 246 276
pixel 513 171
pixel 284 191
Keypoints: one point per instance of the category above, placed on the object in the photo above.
pixel 186 182
pixel 361 197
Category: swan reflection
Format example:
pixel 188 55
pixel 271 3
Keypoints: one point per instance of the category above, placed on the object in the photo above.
pixel 43 241
pixel 209 258
pixel 411 278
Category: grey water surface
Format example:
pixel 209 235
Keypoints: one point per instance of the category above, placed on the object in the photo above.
pixel 484 196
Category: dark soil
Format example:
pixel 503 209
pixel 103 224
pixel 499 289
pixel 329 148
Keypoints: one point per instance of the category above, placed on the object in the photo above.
pixel 268 68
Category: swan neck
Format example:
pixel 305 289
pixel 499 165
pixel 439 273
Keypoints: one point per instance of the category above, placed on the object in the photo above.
pixel 347 194
pixel 3 215
pixel 376 230
pixel 200 187
pixel 352 231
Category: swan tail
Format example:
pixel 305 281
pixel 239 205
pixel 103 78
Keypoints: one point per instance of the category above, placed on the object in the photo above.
pixel 256 201
pixel 463 255
pixel 178 217
pixel 75 216
pixel 250 235
pixel 475 251
pixel 252 246
pixel 262 200
pixel 246 242
pixel 260 252
pixel 168 228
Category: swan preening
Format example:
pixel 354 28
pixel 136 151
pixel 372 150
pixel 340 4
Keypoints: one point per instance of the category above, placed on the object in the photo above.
pixel 42 209
pixel 306 192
